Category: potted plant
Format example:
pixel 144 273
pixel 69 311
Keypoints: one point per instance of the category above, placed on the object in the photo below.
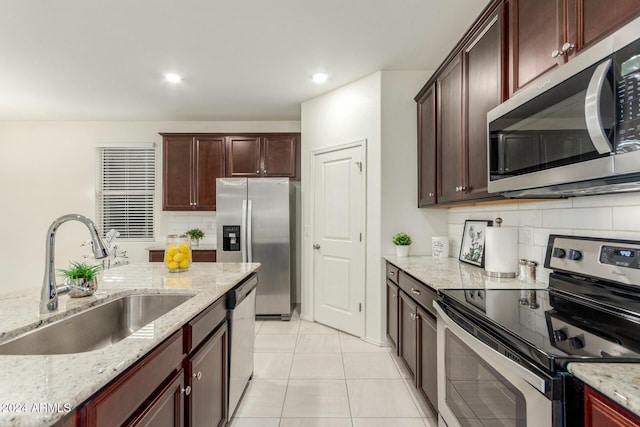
pixel 403 243
pixel 83 279
pixel 196 234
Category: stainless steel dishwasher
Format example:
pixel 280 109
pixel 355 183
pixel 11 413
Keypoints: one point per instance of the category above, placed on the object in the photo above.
pixel 241 315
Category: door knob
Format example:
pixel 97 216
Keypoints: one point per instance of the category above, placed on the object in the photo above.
pixel 316 246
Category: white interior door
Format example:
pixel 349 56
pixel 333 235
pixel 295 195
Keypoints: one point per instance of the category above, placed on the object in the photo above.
pixel 339 255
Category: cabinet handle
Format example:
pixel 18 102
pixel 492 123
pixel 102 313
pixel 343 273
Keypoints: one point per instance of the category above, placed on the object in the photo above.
pixel 463 188
pixel 316 246
pixel 412 315
pixel 416 317
pixel 257 171
pixel 394 295
pixel 568 47
pixel 198 376
pixel 392 273
pixel 415 291
pixel 264 171
pixel 186 391
pixel 556 53
pixel 430 194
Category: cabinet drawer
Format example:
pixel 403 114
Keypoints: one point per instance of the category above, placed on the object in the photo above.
pixel 122 398
pixel 205 323
pixel 421 293
pixel 203 255
pixel 392 273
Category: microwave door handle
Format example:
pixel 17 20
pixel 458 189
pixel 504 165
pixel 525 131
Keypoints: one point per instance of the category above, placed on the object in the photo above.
pixel 592 109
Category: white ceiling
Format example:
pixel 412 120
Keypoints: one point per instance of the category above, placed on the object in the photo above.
pixel 240 59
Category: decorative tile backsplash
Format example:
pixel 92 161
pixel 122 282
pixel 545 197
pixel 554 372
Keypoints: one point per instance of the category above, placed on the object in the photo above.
pixel 611 216
pixel 180 222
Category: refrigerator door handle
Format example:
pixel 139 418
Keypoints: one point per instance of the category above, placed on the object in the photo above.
pixel 243 232
pixel 249 237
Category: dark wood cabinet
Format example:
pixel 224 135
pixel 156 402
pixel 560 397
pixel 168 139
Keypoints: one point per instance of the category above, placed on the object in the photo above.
pixel 449 133
pixel 207 377
pixel 600 411
pixel 427 125
pixel 198 255
pixel 427 375
pixel 407 333
pixel 546 33
pixel 483 83
pixel 276 155
pixel 167 408
pixel 392 314
pixel 191 165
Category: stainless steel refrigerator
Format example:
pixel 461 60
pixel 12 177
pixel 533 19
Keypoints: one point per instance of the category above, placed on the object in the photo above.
pixel 256 223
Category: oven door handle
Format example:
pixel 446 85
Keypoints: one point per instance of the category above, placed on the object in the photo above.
pixel 592 114
pixel 490 354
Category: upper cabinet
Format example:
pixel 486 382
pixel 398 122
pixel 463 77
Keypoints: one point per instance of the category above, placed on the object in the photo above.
pixel 276 155
pixel 546 33
pixel 193 162
pixel 452 117
pixel 191 165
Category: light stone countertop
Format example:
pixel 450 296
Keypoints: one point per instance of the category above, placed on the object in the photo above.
pixel 29 383
pixel 618 381
pixel 449 273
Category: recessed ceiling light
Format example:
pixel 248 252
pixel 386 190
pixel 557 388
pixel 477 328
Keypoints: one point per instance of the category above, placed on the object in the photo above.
pixel 173 78
pixel 319 77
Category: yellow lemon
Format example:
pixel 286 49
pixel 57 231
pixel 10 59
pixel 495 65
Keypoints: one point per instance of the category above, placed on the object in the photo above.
pixel 168 258
pixel 188 255
pixel 178 257
pixel 184 248
pixel 172 250
pixel 184 263
pixel 172 265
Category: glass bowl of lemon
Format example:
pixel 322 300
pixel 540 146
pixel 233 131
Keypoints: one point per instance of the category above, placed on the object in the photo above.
pixel 177 254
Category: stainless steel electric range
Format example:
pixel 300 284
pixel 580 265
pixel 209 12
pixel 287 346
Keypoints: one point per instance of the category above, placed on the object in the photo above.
pixel 503 353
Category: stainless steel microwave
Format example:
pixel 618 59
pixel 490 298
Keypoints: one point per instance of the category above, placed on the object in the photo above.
pixel 575 131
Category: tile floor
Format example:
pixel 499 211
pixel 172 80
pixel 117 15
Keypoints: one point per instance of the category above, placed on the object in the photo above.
pixel 309 375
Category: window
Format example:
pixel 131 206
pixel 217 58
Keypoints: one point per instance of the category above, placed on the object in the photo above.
pixel 125 190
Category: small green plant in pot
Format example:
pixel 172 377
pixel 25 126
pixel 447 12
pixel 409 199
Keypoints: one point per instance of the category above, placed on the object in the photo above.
pixel 195 234
pixel 403 242
pixel 82 277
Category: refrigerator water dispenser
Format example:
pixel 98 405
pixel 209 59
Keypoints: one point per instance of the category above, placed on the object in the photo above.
pixel 231 238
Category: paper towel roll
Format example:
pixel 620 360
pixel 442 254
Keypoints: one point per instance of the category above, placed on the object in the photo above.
pixel 440 247
pixel 501 251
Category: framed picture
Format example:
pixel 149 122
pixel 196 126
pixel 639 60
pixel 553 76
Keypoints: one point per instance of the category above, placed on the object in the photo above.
pixel 472 247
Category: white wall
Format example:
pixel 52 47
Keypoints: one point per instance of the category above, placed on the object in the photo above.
pixel 611 216
pixel 380 109
pixel 47 169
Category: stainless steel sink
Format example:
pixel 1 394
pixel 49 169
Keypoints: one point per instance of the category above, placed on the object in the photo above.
pixel 96 327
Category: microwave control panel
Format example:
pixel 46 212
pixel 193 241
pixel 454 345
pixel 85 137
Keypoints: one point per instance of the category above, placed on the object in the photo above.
pixel 629 105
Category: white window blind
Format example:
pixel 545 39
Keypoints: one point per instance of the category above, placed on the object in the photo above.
pixel 126 189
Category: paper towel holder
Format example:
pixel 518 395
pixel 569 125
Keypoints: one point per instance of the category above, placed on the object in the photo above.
pixel 497 274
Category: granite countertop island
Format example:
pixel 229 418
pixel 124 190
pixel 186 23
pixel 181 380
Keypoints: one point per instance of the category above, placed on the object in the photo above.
pixel 40 390
pixel 618 381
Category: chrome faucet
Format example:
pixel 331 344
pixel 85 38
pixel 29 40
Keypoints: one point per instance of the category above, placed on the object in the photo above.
pixel 50 291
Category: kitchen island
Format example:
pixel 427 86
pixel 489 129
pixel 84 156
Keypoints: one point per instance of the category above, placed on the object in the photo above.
pixel 45 389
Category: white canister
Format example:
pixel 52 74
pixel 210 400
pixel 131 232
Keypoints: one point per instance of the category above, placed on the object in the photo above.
pixel 440 246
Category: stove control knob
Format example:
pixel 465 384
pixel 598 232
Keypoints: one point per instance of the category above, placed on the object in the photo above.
pixel 574 254
pixel 559 335
pixel 575 343
pixel 558 253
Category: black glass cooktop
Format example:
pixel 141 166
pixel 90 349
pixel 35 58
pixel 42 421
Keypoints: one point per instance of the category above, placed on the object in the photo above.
pixel 551 327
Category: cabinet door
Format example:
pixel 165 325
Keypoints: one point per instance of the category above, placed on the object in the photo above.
pixel 427 377
pixel 407 333
pixel 177 176
pixel 167 409
pixel 243 156
pixel 483 87
pixel 602 412
pixel 536 29
pixel 279 153
pixel 207 371
pixel 392 314
pixel 209 165
pixel 449 135
pixel 594 19
pixel 427 148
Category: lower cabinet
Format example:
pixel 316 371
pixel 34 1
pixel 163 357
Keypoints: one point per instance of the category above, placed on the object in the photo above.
pixel 167 409
pixel 600 411
pixel 182 382
pixel 410 307
pixel 207 376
